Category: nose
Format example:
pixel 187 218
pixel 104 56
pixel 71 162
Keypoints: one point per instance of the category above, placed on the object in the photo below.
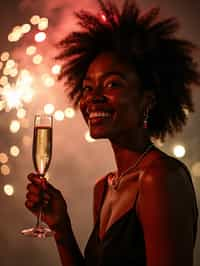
pixel 96 96
pixel 98 99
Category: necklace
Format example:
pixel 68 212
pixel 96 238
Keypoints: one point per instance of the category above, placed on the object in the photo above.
pixel 114 180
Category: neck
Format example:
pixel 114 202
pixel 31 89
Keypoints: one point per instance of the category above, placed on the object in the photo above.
pixel 128 153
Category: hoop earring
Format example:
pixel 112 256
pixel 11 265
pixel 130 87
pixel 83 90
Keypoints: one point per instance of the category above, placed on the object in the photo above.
pixel 146 117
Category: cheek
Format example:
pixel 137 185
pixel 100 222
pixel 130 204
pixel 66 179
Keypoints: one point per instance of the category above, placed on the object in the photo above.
pixel 82 107
pixel 129 113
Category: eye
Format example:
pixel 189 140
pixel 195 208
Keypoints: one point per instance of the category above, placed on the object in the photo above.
pixel 86 89
pixel 113 84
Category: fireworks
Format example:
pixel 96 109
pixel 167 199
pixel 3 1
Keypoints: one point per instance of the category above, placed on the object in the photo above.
pixel 25 77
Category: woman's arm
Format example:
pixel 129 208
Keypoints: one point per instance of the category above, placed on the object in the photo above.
pixel 166 211
pixel 68 248
pixel 55 215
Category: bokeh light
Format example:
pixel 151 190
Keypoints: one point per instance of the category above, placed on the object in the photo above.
pixel 14 150
pixel 43 24
pixel 49 109
pixel 40 36
pixel 5 56
pixel 31 50
pixel 179 151
pixel 49 81
pixel 14 126
pixel 69 112
pixel 8 190
pixel 59 115
pixel 56 69
pixel 26 28
pixel 35 20
pixel 5 170
pixel 37 59
pixel 3 157
pixel 21 113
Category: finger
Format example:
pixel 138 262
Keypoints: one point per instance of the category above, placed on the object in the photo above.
pixel 31 206
pixel 34 188
pixel 35 198
pixel 35 178
pixel 46 196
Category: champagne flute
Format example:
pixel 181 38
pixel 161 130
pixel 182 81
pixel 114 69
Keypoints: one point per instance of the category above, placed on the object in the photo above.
pixel 41 153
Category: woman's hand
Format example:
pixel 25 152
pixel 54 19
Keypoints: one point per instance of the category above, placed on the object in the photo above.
pixel 43 195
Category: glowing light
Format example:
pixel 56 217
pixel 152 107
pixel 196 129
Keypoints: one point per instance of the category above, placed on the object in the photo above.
pixel 3 157
pixel 3 80
pixel 35 20
pixel 1 65
pixel 56 69
pixel 8 190
pixel 12 97
pixel 103 17
pixel 40 36
pixel 31 50
pixel 14 126
pixel 196 169
pixel 43 24
pixel 5 170
pixel 21 113
pixel 19 91
pixel 16 34
pixel 49 81
pixel 88 138
pixel 69 112
pixel 27 141
pixel 37 59
pixel 179 151
pixel 49 109
pixel 2 105
pixel 14 151
pixel 5 56
pixel 59 115
pixel 28 96
pixel 10 63
pixel 6 71
pixel 13 72
pixel 26 28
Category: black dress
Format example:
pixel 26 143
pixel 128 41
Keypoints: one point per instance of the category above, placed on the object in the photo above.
pixel 123 244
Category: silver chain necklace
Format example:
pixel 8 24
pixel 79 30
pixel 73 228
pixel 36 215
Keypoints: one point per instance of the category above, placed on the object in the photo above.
pixel 114 180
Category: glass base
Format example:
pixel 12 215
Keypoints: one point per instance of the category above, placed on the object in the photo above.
pixel 39 232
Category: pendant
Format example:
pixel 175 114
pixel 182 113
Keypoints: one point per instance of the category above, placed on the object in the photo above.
pixel 113 181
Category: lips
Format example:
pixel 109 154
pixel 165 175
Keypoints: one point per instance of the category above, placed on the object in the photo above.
pixel 99 116
pixel 93 115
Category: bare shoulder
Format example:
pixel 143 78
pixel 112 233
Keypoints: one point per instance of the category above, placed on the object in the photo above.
pixel 167 211
pixel 168 174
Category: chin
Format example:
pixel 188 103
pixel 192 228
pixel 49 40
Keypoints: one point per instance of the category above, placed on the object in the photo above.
pixel 99 134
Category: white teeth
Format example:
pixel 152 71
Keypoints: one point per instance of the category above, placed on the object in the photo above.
pixel 99 114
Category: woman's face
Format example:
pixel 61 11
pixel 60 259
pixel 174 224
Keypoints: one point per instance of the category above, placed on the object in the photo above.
pixel 112 103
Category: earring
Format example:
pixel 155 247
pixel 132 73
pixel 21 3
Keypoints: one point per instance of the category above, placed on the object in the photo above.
pixel 146 116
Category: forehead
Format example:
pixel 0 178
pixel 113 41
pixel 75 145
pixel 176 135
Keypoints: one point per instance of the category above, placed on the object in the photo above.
pixel 109 63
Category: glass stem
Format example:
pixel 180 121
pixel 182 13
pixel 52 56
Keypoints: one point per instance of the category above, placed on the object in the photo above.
pixel 39 218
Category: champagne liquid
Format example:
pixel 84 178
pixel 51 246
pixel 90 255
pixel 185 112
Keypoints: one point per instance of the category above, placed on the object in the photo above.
pixel 42 148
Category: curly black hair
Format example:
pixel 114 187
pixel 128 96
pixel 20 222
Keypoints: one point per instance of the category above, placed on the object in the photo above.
pixel 164 62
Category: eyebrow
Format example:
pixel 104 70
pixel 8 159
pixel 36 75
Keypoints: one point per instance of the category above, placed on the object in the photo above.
pixel 105 75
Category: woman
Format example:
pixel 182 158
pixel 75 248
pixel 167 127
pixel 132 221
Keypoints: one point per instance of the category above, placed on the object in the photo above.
pixel 132 79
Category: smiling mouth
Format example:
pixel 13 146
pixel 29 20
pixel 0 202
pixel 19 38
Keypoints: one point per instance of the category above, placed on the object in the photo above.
pixel 97 117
